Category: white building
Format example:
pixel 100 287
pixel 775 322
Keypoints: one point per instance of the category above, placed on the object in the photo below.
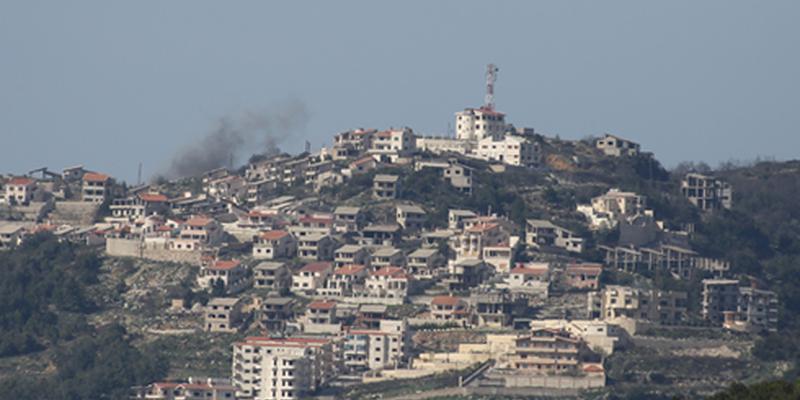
pixel 393 143
pixel 281 369
pixel 376 349
pixel 475 124
pixel 616 146
pixel 275 244
pixel 19 191
pixel 511 150
pixel 539 233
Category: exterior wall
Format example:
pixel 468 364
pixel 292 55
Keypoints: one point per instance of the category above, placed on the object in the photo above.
pixel 511 150
pixel 475 124
pixel 135 248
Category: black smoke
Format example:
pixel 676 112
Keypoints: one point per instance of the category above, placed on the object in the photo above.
pixel 249 132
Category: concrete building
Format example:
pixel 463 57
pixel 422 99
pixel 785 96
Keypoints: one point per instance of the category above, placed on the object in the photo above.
pixel 320 318
pixel 393 143
pixel 532 279
pixel 223 314
pixel 375 349
pixel 385 187
pixel 739 307
pixel 456 218
pixel 511 150
pixel 387 256
pixel 387 283
pixel 19 191
pixel 231 273
pixel 493 309
pixel 466 274
pixel 347 219
pixel 458 175
pixel 344 282
pixel 351 254
pixel 192 389
pixel 11 234
pixel 281 369
pixel 274 244
pixel 274 313
pixel 410 216
pixel 96 187
pixel 272 276
pixel 380 235
pixel 707 193
pixel 425 263
pixel 475 124
pixel 542 233
pixel 443 145
pixel 316 246
pixel 616 146
pixel 197 233
pixel 311 276
pixel 139 206
pixel 608 209
pixel 583 276
pixel 658 306
pixel 450 309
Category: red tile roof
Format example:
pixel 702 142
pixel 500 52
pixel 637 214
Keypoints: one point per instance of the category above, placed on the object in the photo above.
pixel 274 235
pixel 317 266
pixel 153 197
pixel 322 305
pixel 445 301
pixel 394 272
pixel 482 227
pixel 520 269
pixel 198 221
pixel 95 177
pixel 225 265
pixel 21 181
pixel 351 269
pixel 586 267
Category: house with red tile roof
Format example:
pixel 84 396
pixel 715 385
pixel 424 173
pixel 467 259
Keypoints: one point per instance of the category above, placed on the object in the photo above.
pixel 311 276
pixel 230 273
pixel 96 187
pixel 450 308
pixel 19 191
pixel 274 244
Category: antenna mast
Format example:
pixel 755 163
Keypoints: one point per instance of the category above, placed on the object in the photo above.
pixel 491 77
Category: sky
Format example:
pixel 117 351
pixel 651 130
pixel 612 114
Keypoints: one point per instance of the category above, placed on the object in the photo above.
pixel 111 84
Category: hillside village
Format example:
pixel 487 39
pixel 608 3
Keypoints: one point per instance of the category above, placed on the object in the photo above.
pixel 507 261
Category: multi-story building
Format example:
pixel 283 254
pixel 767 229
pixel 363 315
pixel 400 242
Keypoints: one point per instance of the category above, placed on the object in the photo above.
pixel 275 244
pixel 96 187
pixel 410 216
pixel 223 314
pixel 493 309
pixel 275 312
pixel 387 283
pixel 450 308
pixel 316 246
pixel 583 275
pixel 456 218
pixel 706 192
pixel 273 276
pixel 608 209
pixel 531 278
pixel 511 150
pixel 466 274
pixel 614 301
pixel 616 146
pixel 231 274
pixel 281 369
pixel 542 233
pixel 192 389
pixel 351 254
pixel 377 349
pixel 393 143
pixel 385 187
pixel 139 206
pixel 197 233
pixel 424 263
pixel 345 281
pixel 387 256
pixel 380 235
pixel 547 351
pixel 19 191
pixel 347 219
pixel 475 124
pixel 739 307
pixel 320 317
pixel 311 277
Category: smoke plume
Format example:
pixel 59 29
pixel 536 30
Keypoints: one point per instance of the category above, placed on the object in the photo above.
pixel 253 132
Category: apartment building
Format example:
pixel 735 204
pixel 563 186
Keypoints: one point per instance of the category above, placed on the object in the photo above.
pixel 739 307
pixel 706 192
pixel 347 219
pixel 223 314
pixel 456 218
pixel 608 209
pixel 96 187
pixel 424 263
pixel 450 308
pixel 387 256
pixel 321 318
pixel 380 235
pixel 582 275
pixel 385 187
pixel 658 306
pixel 345 281
pixel 410 216
pixel 275 312
pixel 272 276
pixel 387 283
pixel 197 233
pixel 139 206
pixel 376 349
pixel 281 369
pixel 475 124
pixel 316 246
pixel 351 254
pixel 393 143
pixel 511 150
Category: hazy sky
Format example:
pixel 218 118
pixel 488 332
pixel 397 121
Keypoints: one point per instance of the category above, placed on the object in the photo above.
pixel 108 83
